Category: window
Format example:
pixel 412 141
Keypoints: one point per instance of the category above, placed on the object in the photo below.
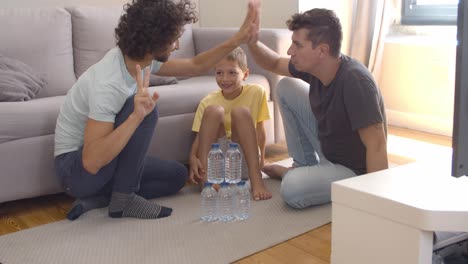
pixel 429 12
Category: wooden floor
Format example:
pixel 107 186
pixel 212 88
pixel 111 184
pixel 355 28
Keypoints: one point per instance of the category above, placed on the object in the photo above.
pixel 313 247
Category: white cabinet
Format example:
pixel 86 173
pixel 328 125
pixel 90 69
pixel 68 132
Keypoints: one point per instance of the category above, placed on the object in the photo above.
pixel 388 217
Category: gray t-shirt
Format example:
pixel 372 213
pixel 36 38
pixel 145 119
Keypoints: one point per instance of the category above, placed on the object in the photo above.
pixel 352 101
pixel 99 94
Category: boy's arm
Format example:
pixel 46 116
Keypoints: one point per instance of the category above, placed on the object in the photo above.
pixel 261 140
pixel 196 167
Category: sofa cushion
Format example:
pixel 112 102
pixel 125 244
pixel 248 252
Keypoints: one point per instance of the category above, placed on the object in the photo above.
pixel 184 97
pixel 93 35
pixel 156 80
pixel 41 38
pixel 29 119
pixel 18 81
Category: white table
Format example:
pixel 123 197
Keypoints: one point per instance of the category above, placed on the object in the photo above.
pixel 388 217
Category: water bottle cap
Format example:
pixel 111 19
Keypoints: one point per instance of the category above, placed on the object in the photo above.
pixel 208 184
pixel 215 145
pixel 224 184
pixel 233 145
pixel 241 183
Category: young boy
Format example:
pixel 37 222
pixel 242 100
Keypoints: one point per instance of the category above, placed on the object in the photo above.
pixel 236 113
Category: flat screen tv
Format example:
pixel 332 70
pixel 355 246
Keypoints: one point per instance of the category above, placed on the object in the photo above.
pixel 460 115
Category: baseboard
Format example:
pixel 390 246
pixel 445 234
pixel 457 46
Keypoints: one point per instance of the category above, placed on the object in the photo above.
pixel 427 123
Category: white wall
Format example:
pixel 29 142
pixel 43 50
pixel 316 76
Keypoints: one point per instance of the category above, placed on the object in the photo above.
pixel 417 83
pixel 224 13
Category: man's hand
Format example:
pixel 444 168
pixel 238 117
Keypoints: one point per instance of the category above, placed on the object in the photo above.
pixel 197 171
pixel 248 32
pixel 144 103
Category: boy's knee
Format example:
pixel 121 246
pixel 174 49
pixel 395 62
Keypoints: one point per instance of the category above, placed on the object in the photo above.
pixel 240 112
pixel 214 112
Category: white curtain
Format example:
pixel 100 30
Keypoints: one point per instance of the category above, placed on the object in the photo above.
pixel 370 20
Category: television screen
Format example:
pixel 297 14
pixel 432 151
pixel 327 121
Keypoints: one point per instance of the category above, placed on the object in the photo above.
pixel 460 115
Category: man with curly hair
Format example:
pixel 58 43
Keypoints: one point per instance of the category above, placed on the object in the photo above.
pixel 108 118
pixel 335 126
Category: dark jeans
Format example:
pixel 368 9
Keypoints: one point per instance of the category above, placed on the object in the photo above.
pixel 130 171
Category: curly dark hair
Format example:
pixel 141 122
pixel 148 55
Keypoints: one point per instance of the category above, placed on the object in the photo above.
pixel 151 26
pixel 323 26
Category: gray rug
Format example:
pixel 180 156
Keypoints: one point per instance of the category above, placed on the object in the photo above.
pixel 181 238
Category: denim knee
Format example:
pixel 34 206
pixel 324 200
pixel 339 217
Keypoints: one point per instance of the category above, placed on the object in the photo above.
pixel 282 88
pixel 291 196
pixel 300 190
pixel 285 86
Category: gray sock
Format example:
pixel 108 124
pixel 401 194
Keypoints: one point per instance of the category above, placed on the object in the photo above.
pixel 132 205
pixel 81 206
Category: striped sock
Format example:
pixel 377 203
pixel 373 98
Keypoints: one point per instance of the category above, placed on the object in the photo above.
pixel 132 205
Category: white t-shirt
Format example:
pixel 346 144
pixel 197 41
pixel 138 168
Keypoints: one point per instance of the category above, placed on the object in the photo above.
pixel 99 94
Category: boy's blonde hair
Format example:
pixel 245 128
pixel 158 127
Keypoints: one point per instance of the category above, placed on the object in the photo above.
pixel 238 55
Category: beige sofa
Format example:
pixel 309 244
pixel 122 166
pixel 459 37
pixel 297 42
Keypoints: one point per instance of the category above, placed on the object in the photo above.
pixel 60 44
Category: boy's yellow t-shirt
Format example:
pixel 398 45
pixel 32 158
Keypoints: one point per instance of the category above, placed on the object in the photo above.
pixel 252 96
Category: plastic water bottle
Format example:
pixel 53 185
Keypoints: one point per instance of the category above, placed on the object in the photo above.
pixel 242 201
pixel 215 164
pixel 233 161
pixel 209 203
pixel 226 203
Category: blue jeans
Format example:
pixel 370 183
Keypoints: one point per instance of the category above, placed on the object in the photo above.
pixel 131 171
pixel 309 183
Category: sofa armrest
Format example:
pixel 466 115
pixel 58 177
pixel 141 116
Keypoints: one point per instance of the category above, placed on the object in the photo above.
pixel 277 39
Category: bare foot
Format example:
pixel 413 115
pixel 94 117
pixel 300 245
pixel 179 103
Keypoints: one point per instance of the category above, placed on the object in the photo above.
pixel 275 171
pixel 260 192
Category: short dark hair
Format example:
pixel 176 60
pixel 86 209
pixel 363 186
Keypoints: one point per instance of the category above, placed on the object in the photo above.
pixel 151 26
pixel 238 55
pixel 323 26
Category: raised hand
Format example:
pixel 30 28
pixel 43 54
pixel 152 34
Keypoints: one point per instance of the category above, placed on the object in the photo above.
pixel 144 102
pixel 255 27
pixel 248 32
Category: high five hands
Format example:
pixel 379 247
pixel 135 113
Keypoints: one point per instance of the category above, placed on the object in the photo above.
pixel 248 32
pixel 144 102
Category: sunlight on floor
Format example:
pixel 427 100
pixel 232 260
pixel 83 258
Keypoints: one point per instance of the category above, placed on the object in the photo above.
pixel 415 149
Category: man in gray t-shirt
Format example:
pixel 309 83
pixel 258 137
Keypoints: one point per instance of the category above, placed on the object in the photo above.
pixel 334 123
